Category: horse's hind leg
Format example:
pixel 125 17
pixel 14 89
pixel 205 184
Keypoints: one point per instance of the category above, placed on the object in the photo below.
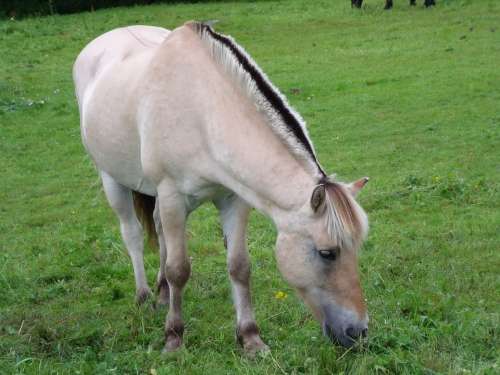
pixel 162 283
pixel 429 3
pixel 121 201
pixel 234 216
pixel 388 4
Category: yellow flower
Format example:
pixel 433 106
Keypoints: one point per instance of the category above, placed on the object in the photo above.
pixel 280 295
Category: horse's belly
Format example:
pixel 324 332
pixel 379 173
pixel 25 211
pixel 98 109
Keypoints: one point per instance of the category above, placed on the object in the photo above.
pixel 117 157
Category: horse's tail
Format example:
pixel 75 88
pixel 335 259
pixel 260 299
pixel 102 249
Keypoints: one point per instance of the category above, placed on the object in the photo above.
pixel 144 206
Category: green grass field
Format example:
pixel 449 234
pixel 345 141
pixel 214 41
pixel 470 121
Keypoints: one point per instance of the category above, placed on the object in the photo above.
pixel 409 97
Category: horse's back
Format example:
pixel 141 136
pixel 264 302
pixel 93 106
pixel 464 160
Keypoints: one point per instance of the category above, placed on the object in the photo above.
pixel 113 46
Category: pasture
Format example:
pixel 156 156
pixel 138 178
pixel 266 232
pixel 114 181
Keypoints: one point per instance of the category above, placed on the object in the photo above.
pixel 409 97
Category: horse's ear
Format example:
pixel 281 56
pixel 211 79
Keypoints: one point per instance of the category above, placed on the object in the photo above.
pixel 318 197
pixel 356 186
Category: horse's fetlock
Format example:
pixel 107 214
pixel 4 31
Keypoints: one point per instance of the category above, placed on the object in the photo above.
pixel 174 327
pixel 246 330
pixel 178 273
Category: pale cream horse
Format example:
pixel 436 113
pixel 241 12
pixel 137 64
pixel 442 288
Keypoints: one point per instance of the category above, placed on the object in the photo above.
pixel 174 119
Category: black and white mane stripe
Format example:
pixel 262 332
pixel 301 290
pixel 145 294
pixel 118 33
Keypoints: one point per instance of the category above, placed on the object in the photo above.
pixel 285 122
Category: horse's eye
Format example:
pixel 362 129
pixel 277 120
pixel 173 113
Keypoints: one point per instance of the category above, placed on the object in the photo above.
pixel 330 254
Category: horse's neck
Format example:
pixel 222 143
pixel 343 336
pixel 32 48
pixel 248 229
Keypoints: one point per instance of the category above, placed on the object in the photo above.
pixel 250 159
pixel 256 164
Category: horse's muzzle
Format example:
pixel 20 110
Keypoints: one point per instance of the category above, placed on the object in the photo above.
pixel 341 326
pixel 347 337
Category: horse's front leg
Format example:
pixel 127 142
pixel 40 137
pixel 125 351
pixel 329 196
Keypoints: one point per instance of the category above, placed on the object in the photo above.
pixel 173 215
pixel 234 216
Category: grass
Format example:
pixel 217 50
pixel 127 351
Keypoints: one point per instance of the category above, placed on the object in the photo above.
pixel 409 97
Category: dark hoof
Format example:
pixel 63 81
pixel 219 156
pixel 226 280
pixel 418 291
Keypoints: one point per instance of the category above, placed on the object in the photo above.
pixel 142 295
pixel 248 337
pixel 172 344
pixel 173 336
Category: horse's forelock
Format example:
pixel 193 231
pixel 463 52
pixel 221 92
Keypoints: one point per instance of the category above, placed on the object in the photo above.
pixel 343 217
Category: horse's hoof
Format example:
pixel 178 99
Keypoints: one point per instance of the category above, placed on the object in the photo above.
pixel 255 347
pixel 143 295
pixel 173 344
pixel 248 336
pixel 174 331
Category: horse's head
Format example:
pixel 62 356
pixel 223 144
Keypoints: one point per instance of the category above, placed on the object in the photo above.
pixel 317 254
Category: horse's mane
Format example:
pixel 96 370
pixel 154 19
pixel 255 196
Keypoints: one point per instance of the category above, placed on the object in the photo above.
pixel 346 221
pixel 285 122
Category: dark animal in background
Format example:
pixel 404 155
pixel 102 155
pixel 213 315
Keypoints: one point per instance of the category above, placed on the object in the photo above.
pixel 388 3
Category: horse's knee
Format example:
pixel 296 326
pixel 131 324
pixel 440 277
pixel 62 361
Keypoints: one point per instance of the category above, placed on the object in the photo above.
pixel 178 272
pixel 239 269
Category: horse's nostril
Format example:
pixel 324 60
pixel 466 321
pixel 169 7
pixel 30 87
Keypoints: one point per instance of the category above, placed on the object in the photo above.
pixel 350 332
pixel 354 333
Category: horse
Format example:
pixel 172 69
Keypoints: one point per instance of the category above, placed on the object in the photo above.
pixel 173 119
pixel 388 3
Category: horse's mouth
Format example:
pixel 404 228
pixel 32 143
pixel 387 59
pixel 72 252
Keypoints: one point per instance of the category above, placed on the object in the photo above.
pixel 343 331
pixel 340 339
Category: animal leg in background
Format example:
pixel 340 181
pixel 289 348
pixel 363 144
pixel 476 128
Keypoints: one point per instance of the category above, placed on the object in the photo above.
pixel 234 217
pixel 388 4
pixel 121 201
pixel 173 215
pixel 356 3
